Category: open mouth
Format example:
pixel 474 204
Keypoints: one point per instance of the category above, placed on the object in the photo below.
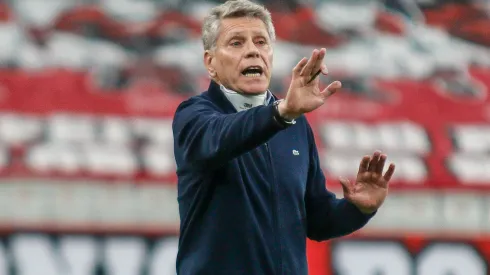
pixel 252 71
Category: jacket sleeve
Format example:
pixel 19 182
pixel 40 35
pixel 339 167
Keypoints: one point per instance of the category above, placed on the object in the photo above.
pixel 204 137
pixel 327 216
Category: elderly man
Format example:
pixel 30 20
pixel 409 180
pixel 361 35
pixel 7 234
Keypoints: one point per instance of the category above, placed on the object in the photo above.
pixel 250 185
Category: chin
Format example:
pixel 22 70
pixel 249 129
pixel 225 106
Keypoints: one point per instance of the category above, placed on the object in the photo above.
pixel 254 88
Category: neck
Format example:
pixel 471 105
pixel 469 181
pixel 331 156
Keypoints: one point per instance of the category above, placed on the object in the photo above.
pixel 243 102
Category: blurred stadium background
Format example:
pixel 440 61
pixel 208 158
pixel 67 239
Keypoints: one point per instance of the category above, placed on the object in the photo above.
pixel 87 93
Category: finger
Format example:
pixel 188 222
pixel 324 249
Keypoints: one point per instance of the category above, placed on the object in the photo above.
pixel 301 64
pixel 331 89
pixel 364 165
pixel 374 161
pixel 324 69
pixel 307 70
pixel 381 164
pixel 346 185
pixel 319 61
pixel 389 173
pixel 313 77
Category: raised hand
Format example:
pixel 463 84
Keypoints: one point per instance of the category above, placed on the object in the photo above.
pixel 305 95
pixel 371 187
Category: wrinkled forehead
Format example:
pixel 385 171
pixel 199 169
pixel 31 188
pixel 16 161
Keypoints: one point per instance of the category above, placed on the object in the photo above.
pixel 242 27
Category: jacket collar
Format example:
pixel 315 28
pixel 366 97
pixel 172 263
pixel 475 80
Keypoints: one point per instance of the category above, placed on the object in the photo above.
pixel 220 99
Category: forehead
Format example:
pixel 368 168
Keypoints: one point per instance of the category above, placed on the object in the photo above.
pixel 242 26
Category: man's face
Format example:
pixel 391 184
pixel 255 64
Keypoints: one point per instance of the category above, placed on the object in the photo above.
pixel 242 59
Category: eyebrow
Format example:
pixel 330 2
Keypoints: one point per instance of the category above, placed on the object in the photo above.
pixel 233 35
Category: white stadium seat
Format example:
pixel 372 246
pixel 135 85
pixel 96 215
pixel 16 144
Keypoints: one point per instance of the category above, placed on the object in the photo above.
pixel 472 138
pixel 108 54
pixel 350 14
pixel 71 128
pixel 393 137
pixel 69 50
pixel 199 9
pixel 40 13
pixel 32 57
pixel 470 168
pixel 337 135
pixel 10 37
pixel 414 138
pixel 108 159
pixel 185 55
pixel 158 161
pixel 365 137
pixel 156 131
pixel 389 137
pixel 141 126
pixel 162 133
pixel 51 157
pixel 19 129
pixel 128 10
pixel 114 130
pixel 410 169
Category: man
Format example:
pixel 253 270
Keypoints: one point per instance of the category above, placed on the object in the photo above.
pixel 250 185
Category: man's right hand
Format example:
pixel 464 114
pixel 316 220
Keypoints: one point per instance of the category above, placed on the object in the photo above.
pixel 304 96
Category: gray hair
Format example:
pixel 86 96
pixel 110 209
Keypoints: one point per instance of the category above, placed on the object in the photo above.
pixel 233 9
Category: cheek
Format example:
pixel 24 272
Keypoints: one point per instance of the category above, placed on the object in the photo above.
pixel 269 58
pixel 230 65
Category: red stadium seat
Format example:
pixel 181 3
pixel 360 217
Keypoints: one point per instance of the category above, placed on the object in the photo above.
pixel 390 23
pixel 6 15
pixel 92 21
pixel 64 117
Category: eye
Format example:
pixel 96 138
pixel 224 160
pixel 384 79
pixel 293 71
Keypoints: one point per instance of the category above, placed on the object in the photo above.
pixel 261 42
pixel 235 43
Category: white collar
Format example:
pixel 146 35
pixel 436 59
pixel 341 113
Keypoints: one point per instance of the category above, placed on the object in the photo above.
pixel 243 102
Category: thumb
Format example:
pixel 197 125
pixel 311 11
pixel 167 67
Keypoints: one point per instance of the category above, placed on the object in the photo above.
pixel 331 89
pixel 345 185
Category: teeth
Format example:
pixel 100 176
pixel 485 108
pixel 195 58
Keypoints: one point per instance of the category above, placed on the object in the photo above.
pixel 252 75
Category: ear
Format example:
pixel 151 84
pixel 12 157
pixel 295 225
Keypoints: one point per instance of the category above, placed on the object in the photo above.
pixel 208 63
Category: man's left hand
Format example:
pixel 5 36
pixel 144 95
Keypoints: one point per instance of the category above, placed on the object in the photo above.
pixel 371 187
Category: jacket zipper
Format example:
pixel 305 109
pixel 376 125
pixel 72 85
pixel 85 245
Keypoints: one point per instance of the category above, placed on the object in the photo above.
pixel 275 209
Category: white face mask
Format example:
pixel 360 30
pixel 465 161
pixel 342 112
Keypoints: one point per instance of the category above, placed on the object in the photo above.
pixel 243 102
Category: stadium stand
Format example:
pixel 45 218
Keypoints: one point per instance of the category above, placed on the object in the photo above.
pixel 77 75
pixel 88 89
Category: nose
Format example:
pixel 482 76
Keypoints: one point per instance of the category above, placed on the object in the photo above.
pixel 252 50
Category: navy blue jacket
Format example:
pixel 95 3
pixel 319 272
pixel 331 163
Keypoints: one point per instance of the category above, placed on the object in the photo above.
pixel 250 191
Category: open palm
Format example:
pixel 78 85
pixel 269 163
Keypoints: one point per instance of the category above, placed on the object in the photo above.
pixel 371 187
pixel 304 94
